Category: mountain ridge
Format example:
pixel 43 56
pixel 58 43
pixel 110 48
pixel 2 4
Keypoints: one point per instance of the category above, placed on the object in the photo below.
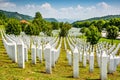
pixel 98 18
pixel 20 16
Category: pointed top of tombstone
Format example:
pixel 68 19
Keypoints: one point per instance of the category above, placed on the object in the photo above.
pixel 104 54
pixel 69 52
pixel 75 50
pixel 33 46
pixel 111 56
pixel 53 49
pixel 92 54
pixel 48 46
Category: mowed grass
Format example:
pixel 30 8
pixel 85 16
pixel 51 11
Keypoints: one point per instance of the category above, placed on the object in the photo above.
pixel 61 71
pixel 117 41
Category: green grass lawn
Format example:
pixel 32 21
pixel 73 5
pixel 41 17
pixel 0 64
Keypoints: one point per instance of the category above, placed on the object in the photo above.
pixel 10 70
pixel 2 27
pixel 109 40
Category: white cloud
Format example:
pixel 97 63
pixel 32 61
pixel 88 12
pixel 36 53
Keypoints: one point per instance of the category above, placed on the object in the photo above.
pixel 5 4
pixel 72 12
pixel 103 5
pixel 46 6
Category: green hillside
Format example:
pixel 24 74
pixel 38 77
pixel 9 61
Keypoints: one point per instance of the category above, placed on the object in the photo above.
pixel 51 19
pixel 99 18
pixel 22 16
pixel 16 15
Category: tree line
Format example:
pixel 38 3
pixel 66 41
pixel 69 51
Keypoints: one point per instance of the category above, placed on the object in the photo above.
pixel 92 30
pixel 34 27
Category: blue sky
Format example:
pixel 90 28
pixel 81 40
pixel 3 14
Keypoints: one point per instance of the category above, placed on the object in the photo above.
pixel 70 9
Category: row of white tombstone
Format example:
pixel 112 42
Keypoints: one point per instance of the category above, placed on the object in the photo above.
pixel 18 51
pixel 51 56
pixel 107 63
pixel 15 47
pixel 75 63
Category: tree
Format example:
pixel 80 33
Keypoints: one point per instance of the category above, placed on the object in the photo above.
pixel 31 30
pixel 13 27
pixel 64 28
pixel 93 35
pixel 38 15
pixel 115 22
pixel 112 32
pixel 38 21
pixel 100 24
pixel 83 30
pixel 23 26
pixel 3 18
pixel 47 28
pixel 86 24
pixel 55 25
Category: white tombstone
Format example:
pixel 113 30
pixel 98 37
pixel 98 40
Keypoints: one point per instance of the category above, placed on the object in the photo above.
pixel 26 53
pixel 20 50
pixel 13 51
pixel 84 59
pixel 39 53
pixel 98 59
pixel 53 57
pixel 48 59
pixel 115 63
pixel 75 63
pixel 88 56
pixel 69 58
pixel 111 65
pixel 103 73
pixel 67 53
pixel 91 62
pixel 80 56
pixel 33 54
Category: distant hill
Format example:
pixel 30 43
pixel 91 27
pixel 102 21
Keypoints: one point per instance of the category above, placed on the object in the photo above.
pixel 66 20
pixel 98 18
pixel 16 15
pixel 22 16
pixel 51 19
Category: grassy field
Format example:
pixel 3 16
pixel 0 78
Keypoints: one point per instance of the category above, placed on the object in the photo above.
pixel 108 40
pixel 10 70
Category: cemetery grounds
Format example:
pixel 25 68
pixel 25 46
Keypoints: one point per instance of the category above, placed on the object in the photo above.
pixel 61 71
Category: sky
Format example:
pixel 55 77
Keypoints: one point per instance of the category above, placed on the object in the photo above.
pixel 63 9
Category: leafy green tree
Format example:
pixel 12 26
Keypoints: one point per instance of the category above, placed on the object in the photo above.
pixel 3 18
pixel 115 22
pixel 23 26
pixel 47 28
pixel 31 30
pixel 13 27
pixel 83 30
pixel 55 25
pixel 38 21
pixel 93 35
pixel 106 24
pixel 64 28
pixel 94 22
pixel 100 24
pixel 38 15
pixel 2 15
pixel 81 24
pixel 112 32
pixel 86 24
